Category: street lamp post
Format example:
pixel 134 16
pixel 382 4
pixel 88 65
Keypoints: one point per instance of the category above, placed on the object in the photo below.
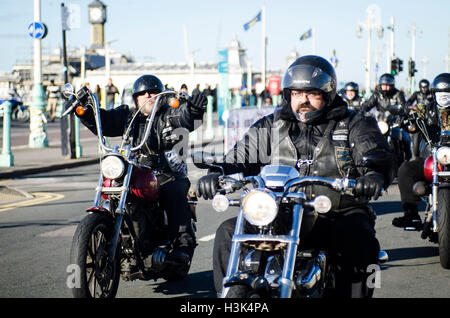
pixel 373 21
pixel 414 31
pixel 38 121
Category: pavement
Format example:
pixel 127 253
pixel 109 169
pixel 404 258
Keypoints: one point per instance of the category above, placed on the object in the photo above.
pixel 29 161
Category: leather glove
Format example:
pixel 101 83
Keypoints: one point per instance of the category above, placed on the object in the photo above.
pixel 198 101
pixel 207 185
pixel 369 186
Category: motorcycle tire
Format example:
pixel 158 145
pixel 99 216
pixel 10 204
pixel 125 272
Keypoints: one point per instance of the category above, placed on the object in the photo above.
pixel 443 218
pixel 242 291
pixel 21 115
pixel 89 253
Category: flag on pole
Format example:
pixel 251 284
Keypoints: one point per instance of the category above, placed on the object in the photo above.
pixel 249 24
pixel 306 35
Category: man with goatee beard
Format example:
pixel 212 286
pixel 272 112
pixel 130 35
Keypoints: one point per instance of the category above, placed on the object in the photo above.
pixel 315 132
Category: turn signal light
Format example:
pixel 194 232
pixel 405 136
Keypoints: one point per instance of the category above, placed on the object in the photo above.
pixel 174 102
pixel 80 110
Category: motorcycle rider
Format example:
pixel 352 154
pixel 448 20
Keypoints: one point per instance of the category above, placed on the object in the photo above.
pixel 158 153
pixel 421 97
pixel 315 123
pixel 352 97
pixel 437 118
pixel 387 95
pixel 417 103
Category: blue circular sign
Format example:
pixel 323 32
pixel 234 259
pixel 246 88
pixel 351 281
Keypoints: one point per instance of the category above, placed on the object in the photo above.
pixel 37 30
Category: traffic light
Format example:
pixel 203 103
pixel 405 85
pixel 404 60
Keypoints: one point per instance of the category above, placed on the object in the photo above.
pixel 396 66
pixel 411 68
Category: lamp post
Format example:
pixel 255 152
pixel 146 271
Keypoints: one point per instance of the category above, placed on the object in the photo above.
pixel 373 21
pixel 38 121
pixel 414 31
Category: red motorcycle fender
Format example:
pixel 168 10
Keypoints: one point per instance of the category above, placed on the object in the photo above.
pixel 98 209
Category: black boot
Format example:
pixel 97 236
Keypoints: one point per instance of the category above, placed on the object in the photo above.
pixel 410 220
pixel 183 248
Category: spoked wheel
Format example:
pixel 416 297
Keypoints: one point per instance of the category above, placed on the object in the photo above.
pixel 98 276
pixel 443 216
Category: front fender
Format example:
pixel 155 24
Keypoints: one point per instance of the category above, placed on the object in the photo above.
pixel 99 210
pixel 252 280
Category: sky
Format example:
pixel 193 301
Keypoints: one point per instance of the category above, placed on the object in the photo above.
pixel 152 31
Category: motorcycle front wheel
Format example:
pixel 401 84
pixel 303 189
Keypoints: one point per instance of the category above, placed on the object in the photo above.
pixel 443 218
pixel 98 277
pixel 242 291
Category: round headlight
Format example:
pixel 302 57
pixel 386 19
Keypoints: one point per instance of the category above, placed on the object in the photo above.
pixel 383 126
pixel 259 207
pixel 322 204
pixel 443 155
pixel 112 167
pixel 220 203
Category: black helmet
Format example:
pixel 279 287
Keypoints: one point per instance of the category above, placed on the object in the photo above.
pixel 440 88
pixel 387 79
pixel 310 72
pixel 351 86
pixel 424 83
pixel 147 83
pixel 441 83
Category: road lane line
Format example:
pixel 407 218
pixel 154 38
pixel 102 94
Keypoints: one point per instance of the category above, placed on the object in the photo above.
pixel 207 238
pixel 39 197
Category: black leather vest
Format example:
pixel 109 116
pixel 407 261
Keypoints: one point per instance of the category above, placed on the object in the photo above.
pixel 331 158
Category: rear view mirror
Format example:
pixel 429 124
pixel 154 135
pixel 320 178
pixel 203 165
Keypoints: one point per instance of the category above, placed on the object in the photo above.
pixel 68 90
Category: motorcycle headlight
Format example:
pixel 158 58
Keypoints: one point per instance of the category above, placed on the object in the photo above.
pixel 220 203
pixel 322 204
pixel 112 167
pixel 260 207
pixel 383 126
pixel 443 155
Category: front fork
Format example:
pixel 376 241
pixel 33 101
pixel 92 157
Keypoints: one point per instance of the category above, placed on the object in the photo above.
pixel 286 281
pixel 120 210
pixel 435 189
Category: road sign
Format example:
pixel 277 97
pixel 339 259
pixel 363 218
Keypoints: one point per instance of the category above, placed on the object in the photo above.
pixel 37 30
pixel 334 61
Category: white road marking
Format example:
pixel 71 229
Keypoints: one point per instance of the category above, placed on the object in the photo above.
pixel 207 238
pixel 39 197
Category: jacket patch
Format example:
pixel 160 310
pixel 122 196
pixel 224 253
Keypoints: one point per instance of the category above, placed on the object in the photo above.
pixel 340 137
pixel 344 160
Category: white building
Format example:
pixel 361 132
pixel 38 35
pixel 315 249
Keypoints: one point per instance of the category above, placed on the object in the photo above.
pixel 172 74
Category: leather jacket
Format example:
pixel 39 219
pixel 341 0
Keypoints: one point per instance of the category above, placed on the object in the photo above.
pixel 420 98
pixel 170 129
pixel 356 103
pixel 382 100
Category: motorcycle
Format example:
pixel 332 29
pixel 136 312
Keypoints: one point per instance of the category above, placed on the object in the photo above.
pixel 19 111
pixel 391 125
pixel 272 261
pixel 124 234
pixel 436 192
